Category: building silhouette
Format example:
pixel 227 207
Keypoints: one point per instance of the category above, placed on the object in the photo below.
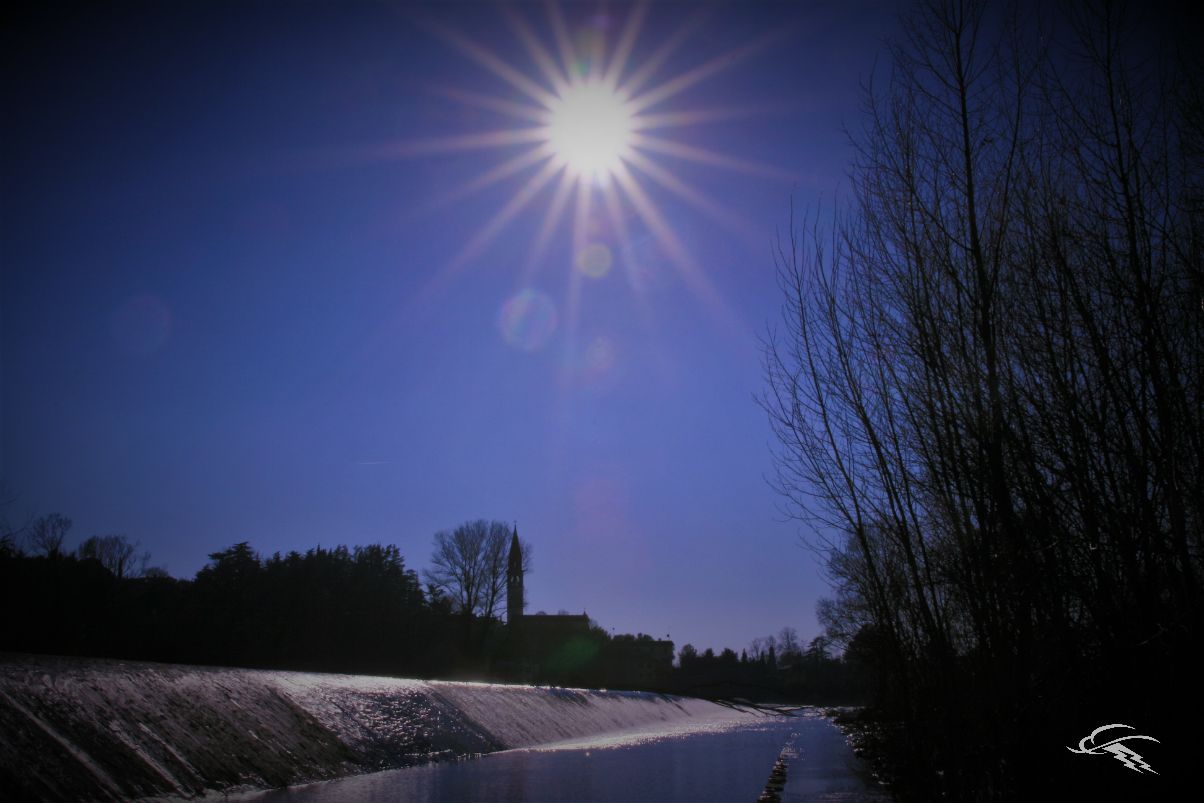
pixel 515 596
pixel 568 648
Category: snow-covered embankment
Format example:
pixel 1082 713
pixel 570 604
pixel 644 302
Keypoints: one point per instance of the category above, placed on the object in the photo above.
pixel 78 729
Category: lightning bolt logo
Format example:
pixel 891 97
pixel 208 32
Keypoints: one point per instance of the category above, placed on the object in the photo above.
pixel 1114 748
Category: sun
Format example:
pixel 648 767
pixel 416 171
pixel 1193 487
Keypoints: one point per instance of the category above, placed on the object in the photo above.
pixel 590 128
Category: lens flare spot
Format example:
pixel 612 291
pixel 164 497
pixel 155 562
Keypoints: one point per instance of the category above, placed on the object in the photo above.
pixel 141 325
pixel 595 260
pixel 528 319
pixel 590 45
pixel 599 358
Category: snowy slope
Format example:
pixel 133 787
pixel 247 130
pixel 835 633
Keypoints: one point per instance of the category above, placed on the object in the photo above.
pixel 82 729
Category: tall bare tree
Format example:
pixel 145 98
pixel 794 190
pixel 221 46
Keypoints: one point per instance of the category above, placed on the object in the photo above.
pixel 987 387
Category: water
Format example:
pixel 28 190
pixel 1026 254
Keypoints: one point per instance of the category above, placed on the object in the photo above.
pixel 728 762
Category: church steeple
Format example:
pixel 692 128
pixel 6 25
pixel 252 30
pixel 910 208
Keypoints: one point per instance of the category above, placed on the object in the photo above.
pixel 514 581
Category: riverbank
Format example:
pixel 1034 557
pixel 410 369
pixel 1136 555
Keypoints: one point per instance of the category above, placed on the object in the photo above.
pixel 90 729
pixel 871 737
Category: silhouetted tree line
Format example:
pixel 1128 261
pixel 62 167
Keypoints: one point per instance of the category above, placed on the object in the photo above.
pixel 349 609
pixel 987 392
pixel 775 669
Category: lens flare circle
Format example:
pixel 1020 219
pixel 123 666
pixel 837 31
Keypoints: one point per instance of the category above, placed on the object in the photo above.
pixel 599 359
pixel 590 127
pixel 595 260
pixel 528 319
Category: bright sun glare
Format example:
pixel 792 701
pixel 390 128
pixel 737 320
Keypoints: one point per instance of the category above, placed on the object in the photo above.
pixel 589 129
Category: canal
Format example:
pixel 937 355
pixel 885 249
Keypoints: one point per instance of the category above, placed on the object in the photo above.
pixel 725 761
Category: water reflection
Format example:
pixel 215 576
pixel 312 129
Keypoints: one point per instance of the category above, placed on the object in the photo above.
pixel 728 765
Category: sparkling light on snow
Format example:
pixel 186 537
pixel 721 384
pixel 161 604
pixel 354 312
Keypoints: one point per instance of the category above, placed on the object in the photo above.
pixel 136 729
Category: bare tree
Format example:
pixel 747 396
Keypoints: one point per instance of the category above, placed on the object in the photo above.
pixel 788 643
pixel 10 536
pixel 496 563
pixel 46 534
pixel 987 388
pixel 457 565
pixel 116 554
pixel 469 565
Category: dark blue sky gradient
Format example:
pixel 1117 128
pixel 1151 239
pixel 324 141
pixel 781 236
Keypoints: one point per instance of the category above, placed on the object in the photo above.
pixel 219 322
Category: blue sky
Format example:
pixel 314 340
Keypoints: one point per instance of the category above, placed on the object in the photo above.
pixel 235 307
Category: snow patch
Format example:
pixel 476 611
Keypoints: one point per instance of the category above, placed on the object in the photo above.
pixel 101 729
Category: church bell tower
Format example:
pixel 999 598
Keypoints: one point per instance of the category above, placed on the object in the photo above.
pixel 514 582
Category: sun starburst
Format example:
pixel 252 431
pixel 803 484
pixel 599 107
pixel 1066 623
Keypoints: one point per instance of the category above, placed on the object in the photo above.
pixel 586 130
